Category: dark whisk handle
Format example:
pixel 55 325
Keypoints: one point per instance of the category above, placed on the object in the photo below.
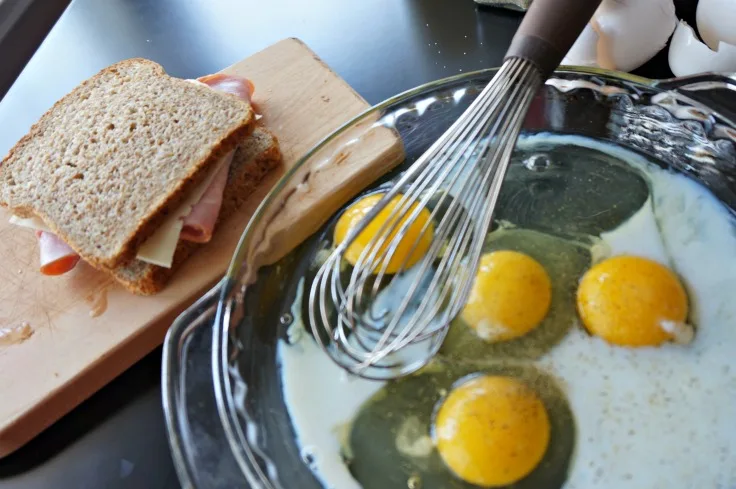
pixel 548 31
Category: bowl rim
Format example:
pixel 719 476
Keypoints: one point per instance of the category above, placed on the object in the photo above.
pixel 703 81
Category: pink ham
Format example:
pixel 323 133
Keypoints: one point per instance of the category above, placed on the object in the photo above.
pixel 234 85
pixel 56 256
pixel 200 223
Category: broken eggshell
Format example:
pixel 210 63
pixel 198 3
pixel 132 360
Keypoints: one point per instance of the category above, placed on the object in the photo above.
pixel 716 21
pixel 688 56
pixel 624 34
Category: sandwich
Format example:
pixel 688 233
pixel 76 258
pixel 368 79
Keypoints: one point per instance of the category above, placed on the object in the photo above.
pixel 134 170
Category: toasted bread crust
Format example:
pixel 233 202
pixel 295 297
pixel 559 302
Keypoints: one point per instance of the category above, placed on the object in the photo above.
pixel 148 227
pixel 126 251
pixel 146 279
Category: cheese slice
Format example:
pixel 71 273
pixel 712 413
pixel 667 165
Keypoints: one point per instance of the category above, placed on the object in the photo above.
pixel 31 223
pixel 159 248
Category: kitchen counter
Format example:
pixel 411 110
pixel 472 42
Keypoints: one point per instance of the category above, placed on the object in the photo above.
pixel 116 439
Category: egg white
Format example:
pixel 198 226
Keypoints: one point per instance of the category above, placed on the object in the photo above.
pixel 661 417
pixel 321 399
pixel 645 418
pixel 639 236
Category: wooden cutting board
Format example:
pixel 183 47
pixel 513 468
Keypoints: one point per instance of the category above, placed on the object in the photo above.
pixel 73 351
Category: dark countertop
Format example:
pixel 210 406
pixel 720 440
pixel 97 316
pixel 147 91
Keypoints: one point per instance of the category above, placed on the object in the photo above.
pixel 117 438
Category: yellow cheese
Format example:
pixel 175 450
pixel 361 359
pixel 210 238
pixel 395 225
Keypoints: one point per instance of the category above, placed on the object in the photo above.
pixel 159 248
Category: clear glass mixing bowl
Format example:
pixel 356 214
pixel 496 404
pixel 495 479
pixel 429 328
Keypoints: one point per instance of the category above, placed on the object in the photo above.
pixel 227 422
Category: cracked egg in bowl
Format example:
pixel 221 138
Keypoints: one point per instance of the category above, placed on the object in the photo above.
pixel 594 350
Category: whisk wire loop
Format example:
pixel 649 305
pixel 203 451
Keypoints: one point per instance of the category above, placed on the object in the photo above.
pixel 381 320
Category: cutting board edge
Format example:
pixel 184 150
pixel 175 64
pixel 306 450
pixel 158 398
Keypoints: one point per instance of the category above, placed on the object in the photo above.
pixel 15 433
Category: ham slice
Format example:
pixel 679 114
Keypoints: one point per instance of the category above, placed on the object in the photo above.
pixel 200 223
pixel 234 85
pixel 56 256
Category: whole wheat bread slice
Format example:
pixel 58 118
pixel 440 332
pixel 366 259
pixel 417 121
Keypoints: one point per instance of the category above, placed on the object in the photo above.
pixel 106 164
pixel 253 159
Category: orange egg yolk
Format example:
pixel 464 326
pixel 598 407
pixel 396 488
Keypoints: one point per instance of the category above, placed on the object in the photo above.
pixel 411 247
pixel 633 301
pixel 510 296
pixel 492 430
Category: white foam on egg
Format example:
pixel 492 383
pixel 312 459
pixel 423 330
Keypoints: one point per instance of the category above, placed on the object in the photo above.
pixel 660 417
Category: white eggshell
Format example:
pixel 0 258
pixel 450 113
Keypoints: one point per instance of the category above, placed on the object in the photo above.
pixel 688 56
pixel 624 34
pixel 584 52
pixel 716 20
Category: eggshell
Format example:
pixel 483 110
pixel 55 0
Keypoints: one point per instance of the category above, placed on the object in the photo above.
pixel 624 34
pixel 584 52
pixel 716 20
pixel 687 55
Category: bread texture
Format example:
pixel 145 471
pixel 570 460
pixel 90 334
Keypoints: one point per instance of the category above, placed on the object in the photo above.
pixel 107 163
pixel 253 159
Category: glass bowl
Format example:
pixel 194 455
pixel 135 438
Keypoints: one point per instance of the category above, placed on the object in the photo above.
pixel 227 422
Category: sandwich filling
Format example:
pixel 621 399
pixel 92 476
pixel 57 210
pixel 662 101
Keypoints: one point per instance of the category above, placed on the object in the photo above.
pixel 194 220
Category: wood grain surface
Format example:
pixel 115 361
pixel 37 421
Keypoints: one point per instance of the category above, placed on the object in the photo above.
pixel 72 353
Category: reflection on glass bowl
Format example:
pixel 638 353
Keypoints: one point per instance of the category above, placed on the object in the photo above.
pixel 236 426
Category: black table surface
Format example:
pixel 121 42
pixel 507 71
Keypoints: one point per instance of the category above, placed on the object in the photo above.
pixel 116 439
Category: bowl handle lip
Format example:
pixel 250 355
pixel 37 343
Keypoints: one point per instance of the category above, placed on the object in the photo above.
pixel 210 311
pixel 171 372
pixel 255 465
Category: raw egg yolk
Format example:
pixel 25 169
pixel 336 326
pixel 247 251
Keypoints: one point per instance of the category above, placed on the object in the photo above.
pixel 492 430
pixel 411 248
pixel 633 301
pixel 510 296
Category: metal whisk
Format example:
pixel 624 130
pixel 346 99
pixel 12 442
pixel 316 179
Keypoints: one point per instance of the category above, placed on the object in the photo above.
pixel 385 325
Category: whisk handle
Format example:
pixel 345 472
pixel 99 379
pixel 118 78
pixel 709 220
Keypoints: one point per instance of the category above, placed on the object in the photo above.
pixel 548 31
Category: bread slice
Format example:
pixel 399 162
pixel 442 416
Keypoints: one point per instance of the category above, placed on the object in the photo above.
pixel 106 164
pixel 253 159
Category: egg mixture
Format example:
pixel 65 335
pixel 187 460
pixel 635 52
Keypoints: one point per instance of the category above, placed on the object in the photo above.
pixel 593 352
